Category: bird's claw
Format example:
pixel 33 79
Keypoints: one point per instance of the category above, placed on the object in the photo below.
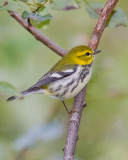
pixel 72 111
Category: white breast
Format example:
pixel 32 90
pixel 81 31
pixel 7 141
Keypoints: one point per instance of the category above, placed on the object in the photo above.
pixel 70 86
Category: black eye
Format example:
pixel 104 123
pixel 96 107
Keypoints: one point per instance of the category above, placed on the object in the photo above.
pixel 87 53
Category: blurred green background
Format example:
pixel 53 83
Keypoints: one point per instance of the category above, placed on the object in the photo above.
pixel 35 128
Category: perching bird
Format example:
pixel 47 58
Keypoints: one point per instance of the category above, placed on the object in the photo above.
pixel 67 77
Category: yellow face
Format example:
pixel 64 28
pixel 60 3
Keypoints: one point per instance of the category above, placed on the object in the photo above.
pixel 80 55
pixel 83 55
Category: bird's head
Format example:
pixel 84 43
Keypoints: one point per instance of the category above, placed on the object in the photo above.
pixel 83 55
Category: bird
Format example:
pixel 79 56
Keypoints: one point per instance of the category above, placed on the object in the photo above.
pixel 67 77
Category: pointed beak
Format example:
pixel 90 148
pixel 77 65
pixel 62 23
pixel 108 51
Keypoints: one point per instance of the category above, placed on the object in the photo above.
pixel 96 51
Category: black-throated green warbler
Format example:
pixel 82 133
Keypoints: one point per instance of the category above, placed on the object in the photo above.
pixel 67 77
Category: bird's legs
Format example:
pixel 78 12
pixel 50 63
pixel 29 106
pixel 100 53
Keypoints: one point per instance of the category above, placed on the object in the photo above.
pixel 69 112
pixel 65 107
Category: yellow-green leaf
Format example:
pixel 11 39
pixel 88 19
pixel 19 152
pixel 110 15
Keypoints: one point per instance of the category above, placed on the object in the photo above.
pixel 40 1
pixel 6 90
pixel 65 4
pixel 93 8
pixel 35 16
pixel 117 18
pixel 11 6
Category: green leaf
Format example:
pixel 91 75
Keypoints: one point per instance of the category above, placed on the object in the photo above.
pixel 117 18
pixel 11 6
pixel 93 9
pixel 65 4
pixel 45 17
pixel 2 2
pixel 35 16
pixel 43 24
pixel 24 0
pixel 6 90
pixel 40 20
pixel 41 1
pixel 25 14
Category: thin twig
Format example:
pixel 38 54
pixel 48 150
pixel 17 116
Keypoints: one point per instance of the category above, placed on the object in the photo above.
pixel 41 5
pixel 29 4
pixel 39 35
pixel 73 128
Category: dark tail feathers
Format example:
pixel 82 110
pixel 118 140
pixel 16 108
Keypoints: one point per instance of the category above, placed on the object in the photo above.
pixel 24 93
pixel 11 98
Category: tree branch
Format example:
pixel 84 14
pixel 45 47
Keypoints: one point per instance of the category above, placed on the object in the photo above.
pixel 79 103
pixel 39 35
